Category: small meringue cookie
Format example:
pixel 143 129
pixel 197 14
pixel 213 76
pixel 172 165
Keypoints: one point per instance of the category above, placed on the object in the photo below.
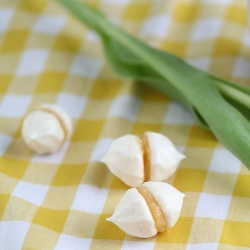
pixel 62 116
pixel 152 207
pixel 164 157
pixel 125 160
pixel 133 216
pixel 136 159
pixel 169 199
pixel 45 129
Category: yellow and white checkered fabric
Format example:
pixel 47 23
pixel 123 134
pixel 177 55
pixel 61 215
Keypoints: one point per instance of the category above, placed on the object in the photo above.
pixel 61 201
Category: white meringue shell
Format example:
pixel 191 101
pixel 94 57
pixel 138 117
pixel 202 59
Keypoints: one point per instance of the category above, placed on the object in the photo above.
pixel 61 115
pixel 169 199
pixel 125 160
pixel 164 157
pixel 133 216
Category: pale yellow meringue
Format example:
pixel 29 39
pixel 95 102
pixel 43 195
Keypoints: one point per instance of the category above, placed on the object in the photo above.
pixel 45 129
pixel 136 159
pixel 134 216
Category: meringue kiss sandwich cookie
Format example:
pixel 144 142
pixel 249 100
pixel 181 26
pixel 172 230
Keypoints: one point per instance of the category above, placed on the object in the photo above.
pixel 151 208
pixel 45 129
pixel 136 159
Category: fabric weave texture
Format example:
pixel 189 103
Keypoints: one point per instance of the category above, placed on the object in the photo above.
pixel 61 201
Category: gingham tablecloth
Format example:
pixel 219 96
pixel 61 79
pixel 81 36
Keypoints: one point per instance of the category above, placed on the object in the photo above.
pixel 61 201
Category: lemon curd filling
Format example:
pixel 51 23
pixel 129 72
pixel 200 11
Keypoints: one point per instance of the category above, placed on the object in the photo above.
pixel 155 209
pixel 146 156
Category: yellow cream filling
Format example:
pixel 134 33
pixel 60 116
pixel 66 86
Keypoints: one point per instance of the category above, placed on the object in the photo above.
pixel 146 156
pixel 155 209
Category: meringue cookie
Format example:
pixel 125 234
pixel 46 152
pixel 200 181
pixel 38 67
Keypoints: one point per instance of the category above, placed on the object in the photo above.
pixel 136 159
pixel 151 208
pixel 45 129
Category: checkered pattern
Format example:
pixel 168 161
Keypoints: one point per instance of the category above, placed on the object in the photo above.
pixel 61 201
